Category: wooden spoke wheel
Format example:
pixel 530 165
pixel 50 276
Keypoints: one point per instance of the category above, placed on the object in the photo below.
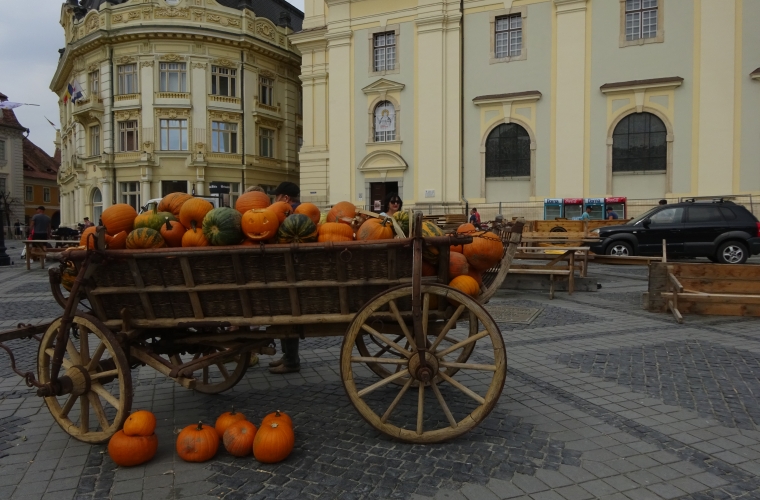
pixel 101 394
pixel 216 377
pixel 440 406
pixel 60 293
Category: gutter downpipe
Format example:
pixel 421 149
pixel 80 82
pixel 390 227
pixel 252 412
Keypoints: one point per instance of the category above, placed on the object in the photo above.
pixel 461 106
pixel 242 124
pixel 114 187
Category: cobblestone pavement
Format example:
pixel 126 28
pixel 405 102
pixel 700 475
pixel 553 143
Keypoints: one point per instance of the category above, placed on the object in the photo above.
pixel 602 400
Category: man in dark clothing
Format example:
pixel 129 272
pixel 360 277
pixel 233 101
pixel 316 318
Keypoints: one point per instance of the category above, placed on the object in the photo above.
pixel 611 214
pixel 289 193
pixel 41 225
pixel 475 218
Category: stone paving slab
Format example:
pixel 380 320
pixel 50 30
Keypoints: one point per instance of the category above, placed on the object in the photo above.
pixel 602 400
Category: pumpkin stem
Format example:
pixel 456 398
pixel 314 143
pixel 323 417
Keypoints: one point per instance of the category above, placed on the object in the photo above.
pixel 194 225
pixel 233 411
pixel 168 225
pixel 200 425
pixel 277 413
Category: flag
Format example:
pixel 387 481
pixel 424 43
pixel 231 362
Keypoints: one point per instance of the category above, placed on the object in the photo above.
pixel 10 105
pixel 51 123
pixel 76 93
pixel 67 95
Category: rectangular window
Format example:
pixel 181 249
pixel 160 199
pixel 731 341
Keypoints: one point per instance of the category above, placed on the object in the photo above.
pixel 223 81
pixel 28 193
pixel 640 19
pixel 95 140
pixel 266 142
pixel 95 84
pixel 174 135
pixel 2 150
pixel 130 194
pixel 223 137
pixel 234 193
pixel 508 36
pixel 46 195
pixel 2 185
pixel 128 136
pixel 385 51
pixel 266 91
pixel 127 79
pixel 172 77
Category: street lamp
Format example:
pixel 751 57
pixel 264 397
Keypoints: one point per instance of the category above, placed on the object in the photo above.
pixel 4 259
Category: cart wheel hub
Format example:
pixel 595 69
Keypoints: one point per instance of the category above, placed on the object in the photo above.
pixel 427 373
pixel 78 382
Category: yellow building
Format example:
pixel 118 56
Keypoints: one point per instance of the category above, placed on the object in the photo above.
pixel 520 100
pixel 175 95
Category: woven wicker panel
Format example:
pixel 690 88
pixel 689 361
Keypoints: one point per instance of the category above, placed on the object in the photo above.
pixel 171 270
pixel 114 273
pixel 315 266
pixel 274 302
pixel 113 304
pixel 216 269
pixel 263 268
pixel 358 296
pixel 220 304
pixel 171 305
pixel 319 300
pixel 404 264
pixel 366 264
pixel 150 270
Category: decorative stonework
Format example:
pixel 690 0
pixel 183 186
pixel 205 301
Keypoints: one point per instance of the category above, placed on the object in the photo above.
pixel 197 15
pixel 127 114
pixel 265 122
pixel 172 113
pixel 147 64
pixel 268 74
pixel 222 20
pixel 92 23
pixel 172 57
pixel 223 116
pixel 125 60
pixel 224 63
pixel 172 13
pixel 200 65
pixel 265 29
pixel 93 67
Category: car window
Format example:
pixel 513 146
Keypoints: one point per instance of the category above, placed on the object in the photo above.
pixel 704 214
pixel 668 216
pixel 728 214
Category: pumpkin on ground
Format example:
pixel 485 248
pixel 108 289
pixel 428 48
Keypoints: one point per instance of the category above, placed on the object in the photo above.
pixel 402 218
pixel 252 200
pixel 260 225
pixel 297 228
pixel 221 226
pixel 153 219
pixel 273 443
pixel 282 209
pixel 376 229
pixel 485 251
pixel 193 211
pixel 465 284
pixel 194 237
pixel 143 238
pixel 341 210
pixel 430 252
pixel 140 423
pixel 335 231
pixel 226 419
pixel 458 265
pixel 197 443
pixel 310 210
pixel 172 233
pixel 119 241
pixel 173 202
pixel 238 438
pixel 128 451
pixel 277 417
pixel 118 218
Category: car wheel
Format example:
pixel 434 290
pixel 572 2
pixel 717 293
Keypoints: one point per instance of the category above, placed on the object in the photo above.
pixel 619 248
pixel 732 252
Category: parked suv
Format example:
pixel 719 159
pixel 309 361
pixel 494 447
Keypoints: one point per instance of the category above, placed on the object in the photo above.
pixel 720 230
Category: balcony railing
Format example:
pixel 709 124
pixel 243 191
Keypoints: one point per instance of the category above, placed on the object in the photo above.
pixel 172 95
pixel 224 99
pixel 126 97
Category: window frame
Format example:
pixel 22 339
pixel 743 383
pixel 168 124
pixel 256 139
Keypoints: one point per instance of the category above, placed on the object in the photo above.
pixel 3 148
pixel 266 90
pixel 93 80
pixel 123 78
pixel 528 158
pixel 183 138
pixel 264 134
pixel 46 195
pixel 94 137
pixel 665 146
pixel 217 74
pixel 522 11
pixel 219 129
pixel 28 193
pixel 389 28
pixel 124 131
pixel 659 38
pixel 165 70
pixel 388 60
pixel 375 133
pixel 130 188
pixel 3 184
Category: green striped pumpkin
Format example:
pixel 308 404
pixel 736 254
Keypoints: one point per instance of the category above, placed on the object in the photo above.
pixel 153 219
pixel 402 218
pixel 221 226
pixel 297 228
pixel 145 237
pixel 429 252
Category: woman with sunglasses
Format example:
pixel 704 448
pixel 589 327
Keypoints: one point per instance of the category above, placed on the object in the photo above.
pixel 392 204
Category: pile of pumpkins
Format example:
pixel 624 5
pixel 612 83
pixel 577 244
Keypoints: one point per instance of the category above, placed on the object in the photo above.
pixel 272 442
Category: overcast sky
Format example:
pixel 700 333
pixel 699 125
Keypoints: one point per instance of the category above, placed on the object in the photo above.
pixel 30 36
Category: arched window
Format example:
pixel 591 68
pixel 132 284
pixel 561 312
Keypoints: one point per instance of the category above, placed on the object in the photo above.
pixel 508 151
pixel 97 206
pixel 385 122
pixel 639 144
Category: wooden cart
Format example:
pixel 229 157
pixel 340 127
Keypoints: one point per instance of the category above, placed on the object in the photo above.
pixel 196 315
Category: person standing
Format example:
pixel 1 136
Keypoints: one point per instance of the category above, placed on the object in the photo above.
pixel 289 193
pixel 392 204
pixel 611 214
pixel 17 230
pixel 41 225
pixel 87 223
pixel 587 214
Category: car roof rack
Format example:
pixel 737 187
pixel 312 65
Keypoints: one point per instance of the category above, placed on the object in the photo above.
pixel 712 199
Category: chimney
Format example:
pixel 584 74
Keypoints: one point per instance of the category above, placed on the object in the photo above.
pixel 284 19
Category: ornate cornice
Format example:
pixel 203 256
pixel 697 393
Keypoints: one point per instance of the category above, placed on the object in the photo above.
pixel 225 63
pixel 173 112
pixel 126 114
pixel 171 58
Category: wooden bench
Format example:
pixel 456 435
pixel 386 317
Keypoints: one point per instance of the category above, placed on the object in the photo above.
pixel 576 258
pixel 37 249
pixel 708 289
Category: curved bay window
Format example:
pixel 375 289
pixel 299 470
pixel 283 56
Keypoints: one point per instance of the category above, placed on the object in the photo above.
pixel 508 151
pixel 639 144
pixel 385 122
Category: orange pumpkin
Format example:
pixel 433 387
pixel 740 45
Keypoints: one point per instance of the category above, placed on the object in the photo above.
pixel 193 211
pixel 140 423
pixel 277 417
pixel 260 224
pixel 282 209
pixel 465 284
pixel 310 210
pixel 194 237
pixel 118 242
pixel 118 218
pixel 457 265
pixel 172 233
pixel 173 202
pixel 340 211
pixel 226 419
pixel 197 443
pixel 466 228
pixel 128 451
pixel 456 248
pixel 485 251
pixel 273 443
pixel 428 269
pixel 476 275
pixel 87 240
pixel 238 438
pixel 335 231
pixel 375 229
pixel 248 242
pixel 252 200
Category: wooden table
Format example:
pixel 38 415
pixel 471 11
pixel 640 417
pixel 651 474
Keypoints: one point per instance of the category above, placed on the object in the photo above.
pixel 554 255
pixel 38 248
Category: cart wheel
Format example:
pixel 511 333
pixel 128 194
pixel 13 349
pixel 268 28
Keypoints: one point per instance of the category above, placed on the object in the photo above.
pixel 218 377
pixel 102 382
pixel 60 294
pixel 433 411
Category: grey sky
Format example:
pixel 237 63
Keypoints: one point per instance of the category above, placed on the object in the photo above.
pixel 30 35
